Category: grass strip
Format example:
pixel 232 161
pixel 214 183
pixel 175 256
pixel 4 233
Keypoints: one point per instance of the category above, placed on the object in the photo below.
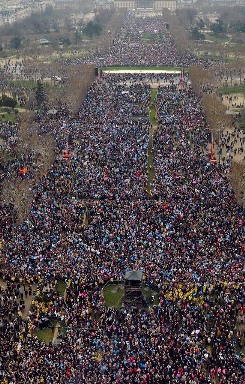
pixel 234 89
pixel 25 83
pixel 151 172
pixel 5 116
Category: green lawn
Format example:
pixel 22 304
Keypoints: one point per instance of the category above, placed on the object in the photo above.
pixel 32 84
pixel 152 36
pixel 230 90
pixel 5 116
pixel 153 116
pixel 153 95
pixel 25 83
pixel 216 39
pixel 113 294
pixel 45 334
pixel 61 287
pixel 234 59
pixel 148 36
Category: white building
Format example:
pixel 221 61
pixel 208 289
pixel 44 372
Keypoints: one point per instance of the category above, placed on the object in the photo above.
pixel 155 5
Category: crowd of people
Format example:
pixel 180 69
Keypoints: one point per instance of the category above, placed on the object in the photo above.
pixel 232 144
pixel 142 40
pixel 93 217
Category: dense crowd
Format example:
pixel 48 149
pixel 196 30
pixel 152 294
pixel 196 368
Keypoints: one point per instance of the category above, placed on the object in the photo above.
pixel 9 74
pixel 95 215
pixel 145 41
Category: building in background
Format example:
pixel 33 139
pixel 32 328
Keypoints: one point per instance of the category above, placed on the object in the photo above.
pixel 155 5
pixel 77 4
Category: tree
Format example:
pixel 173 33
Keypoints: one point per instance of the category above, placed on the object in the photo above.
pixel 234 18
pixel 7 101
pixel 179 33
pixel 40 95
pixel 218 27
pixel 196 34
pixel 92 28
pixel 186 16
pixel 215 113
pixel 77 37
pixel 200 23
pixel 239 26
pixel 15 42
pixel 241 119
pixel 237 177
pixel 65 41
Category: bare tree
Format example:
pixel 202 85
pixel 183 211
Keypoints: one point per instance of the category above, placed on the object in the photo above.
pixel 237 177
pixel 215 113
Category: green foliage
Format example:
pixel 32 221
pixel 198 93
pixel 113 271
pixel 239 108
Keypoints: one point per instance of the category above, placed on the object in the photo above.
pixel 15 42
pixel 196 34
pixel 218 27
pixel 234 18
pixel 77 37
pixel 41 21
pixel 92 29
pixel 65 41
pixel 7 101
pixel 148 36
pixel 239 26
pixel 40 95
pixel 200 23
